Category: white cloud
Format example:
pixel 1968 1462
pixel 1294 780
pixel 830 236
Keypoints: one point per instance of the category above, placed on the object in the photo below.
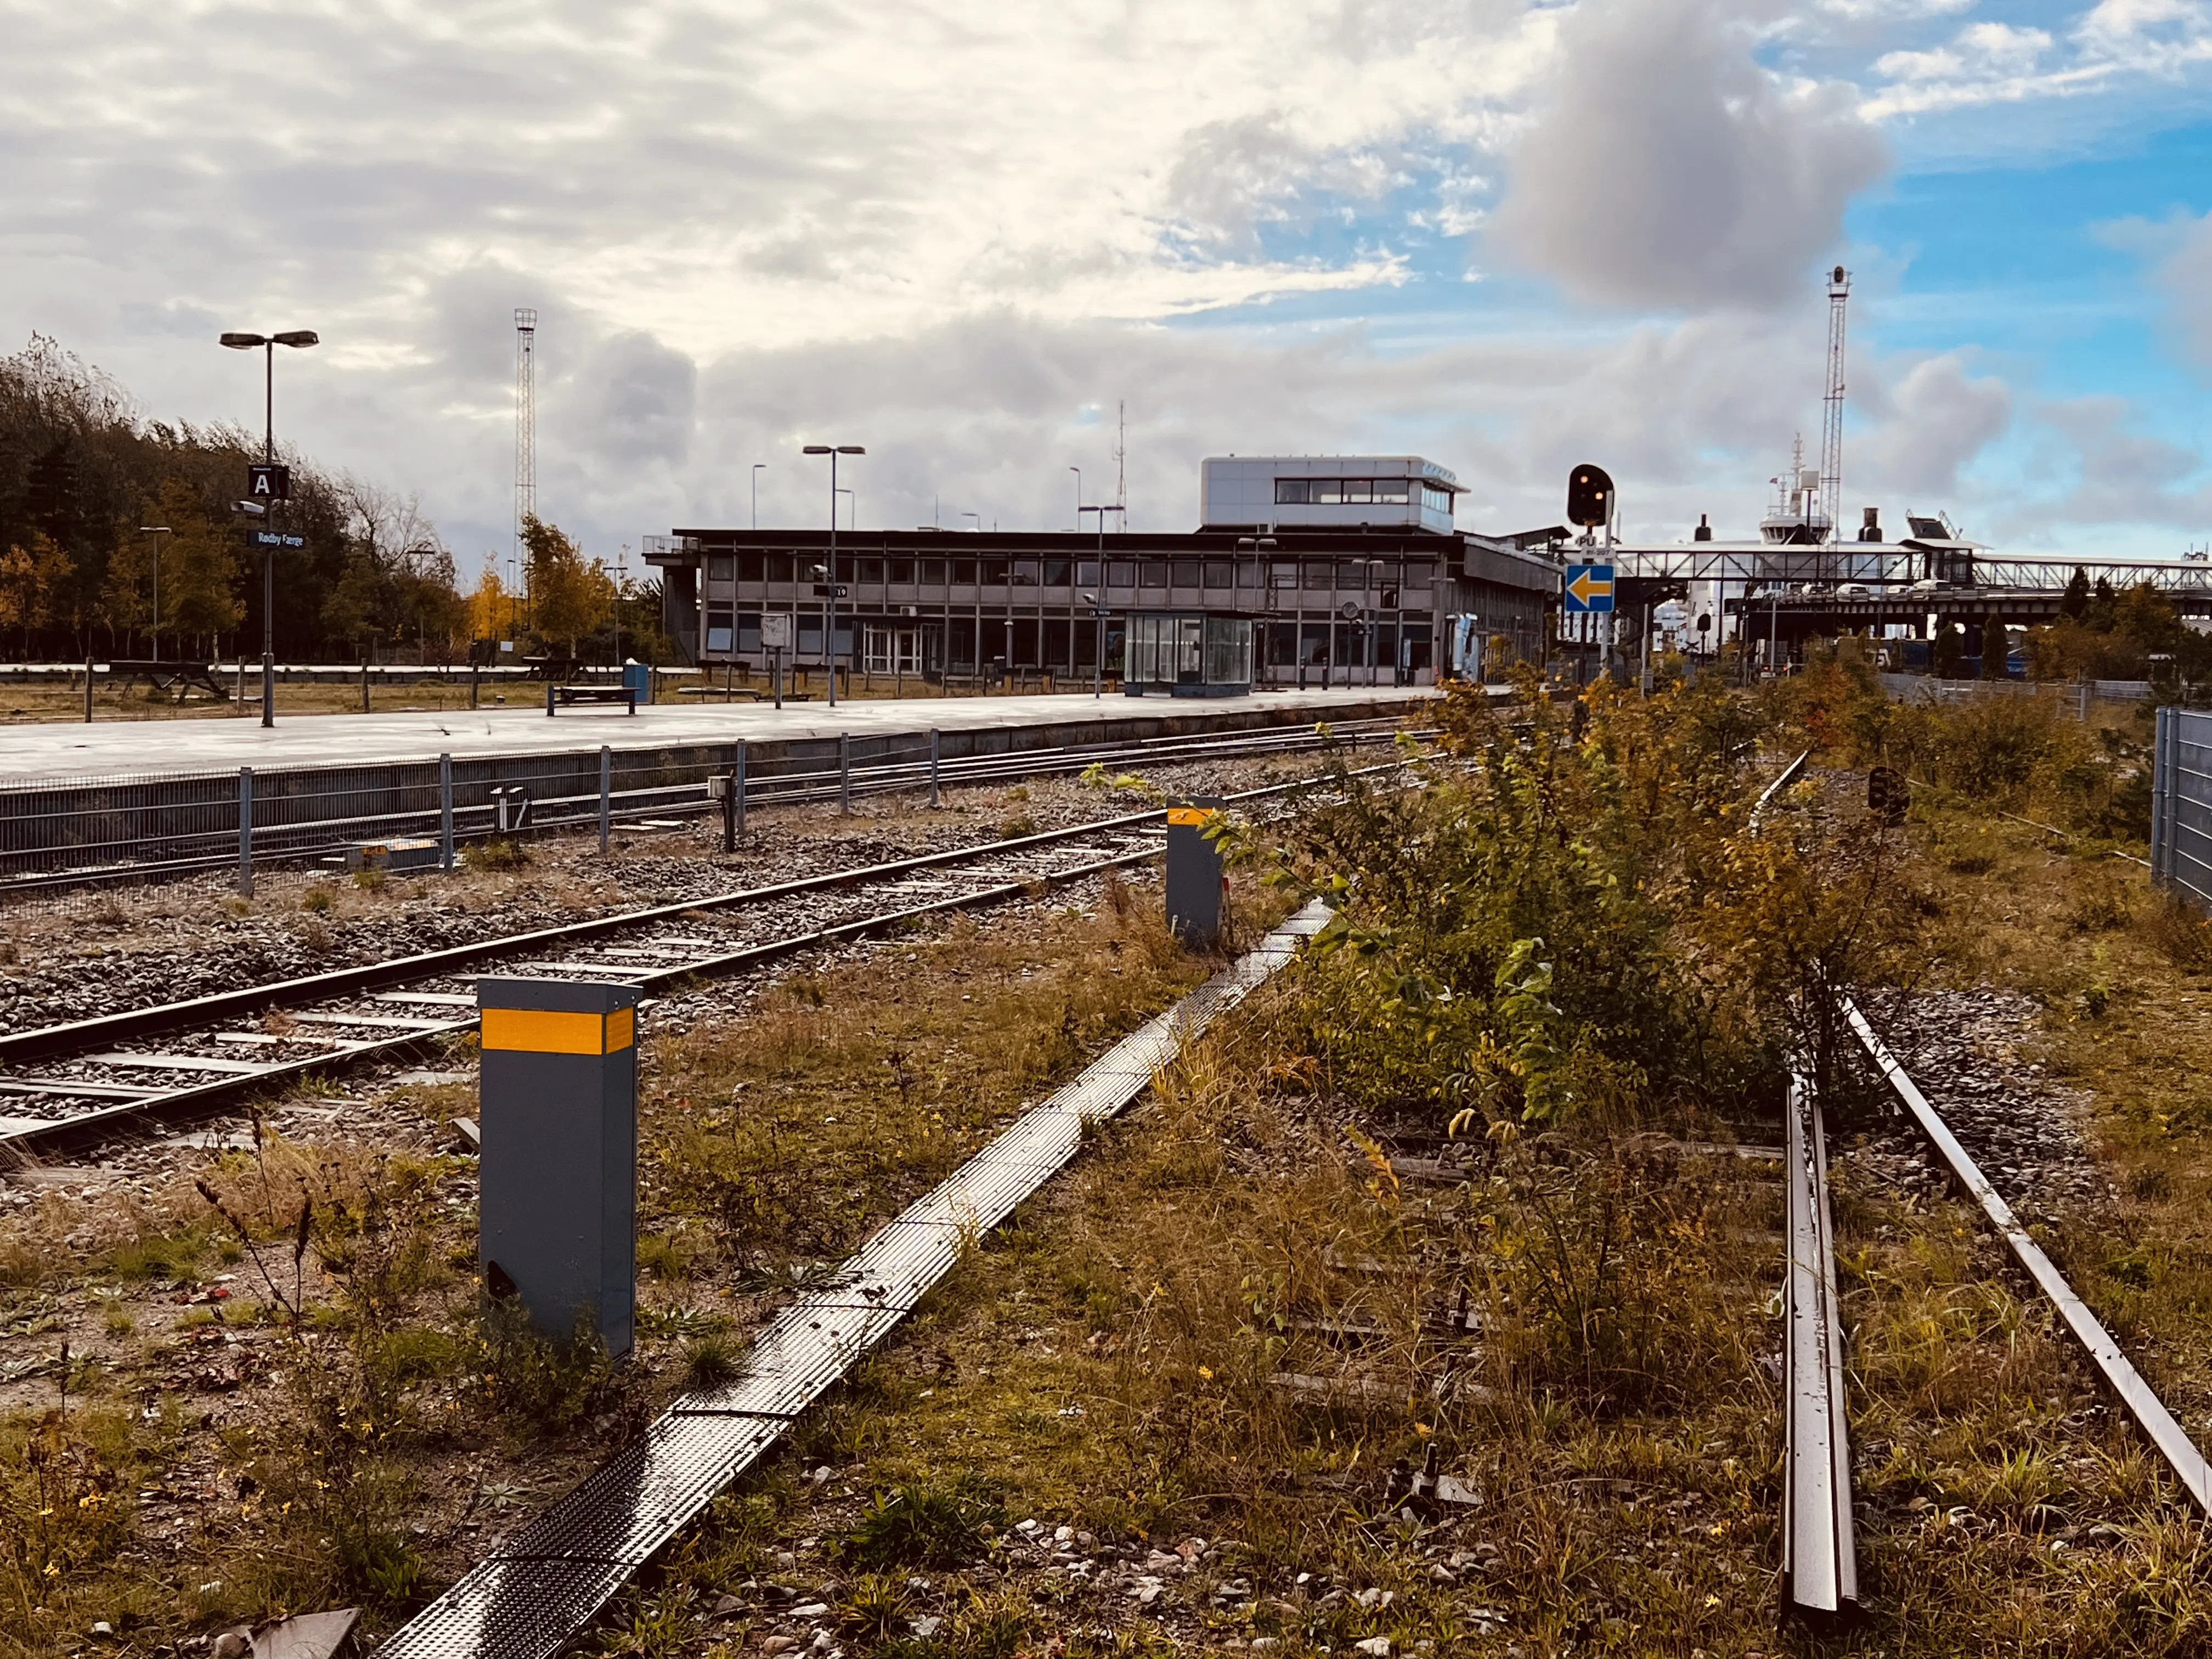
pixel 1670 170
pixel 1992 63
pixel 1934 421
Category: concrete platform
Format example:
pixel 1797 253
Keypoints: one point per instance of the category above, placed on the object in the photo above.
pixel 145 747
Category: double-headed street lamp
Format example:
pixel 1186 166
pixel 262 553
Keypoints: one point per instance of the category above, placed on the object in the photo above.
pixel 829 587
pixel 270 483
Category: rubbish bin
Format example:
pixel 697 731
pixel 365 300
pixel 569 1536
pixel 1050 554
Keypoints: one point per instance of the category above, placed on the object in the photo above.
pixel 638 676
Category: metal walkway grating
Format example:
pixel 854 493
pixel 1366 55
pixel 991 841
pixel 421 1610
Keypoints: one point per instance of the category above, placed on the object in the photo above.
pixel 545 1585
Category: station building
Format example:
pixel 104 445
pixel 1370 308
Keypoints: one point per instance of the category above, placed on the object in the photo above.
pixel 1305 570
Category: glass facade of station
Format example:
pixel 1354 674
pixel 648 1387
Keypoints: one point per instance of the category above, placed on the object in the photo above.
pixel 1186 654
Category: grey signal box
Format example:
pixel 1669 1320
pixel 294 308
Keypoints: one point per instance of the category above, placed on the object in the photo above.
pixel 1194 874
pixel 557 1213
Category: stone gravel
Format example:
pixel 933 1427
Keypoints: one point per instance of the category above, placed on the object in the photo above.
pixel 2031 1134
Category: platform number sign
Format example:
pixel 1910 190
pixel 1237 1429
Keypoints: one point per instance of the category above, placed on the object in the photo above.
pixel 1589 587
pixel 267 481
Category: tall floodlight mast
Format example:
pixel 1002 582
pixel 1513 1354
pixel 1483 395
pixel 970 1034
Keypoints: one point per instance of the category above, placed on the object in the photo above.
pixel 1832 413
pixel 525 437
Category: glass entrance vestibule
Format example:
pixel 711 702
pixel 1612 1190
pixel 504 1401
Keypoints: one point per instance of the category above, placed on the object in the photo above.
pixel 1187 654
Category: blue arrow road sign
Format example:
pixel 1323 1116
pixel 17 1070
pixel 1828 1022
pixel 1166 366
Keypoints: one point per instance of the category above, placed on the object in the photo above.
pixel 1589 587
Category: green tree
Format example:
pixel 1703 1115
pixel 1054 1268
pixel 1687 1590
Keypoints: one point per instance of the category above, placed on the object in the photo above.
pixel 1947 652
pixel 1997 646
pixel 570 596
pixel 2076 604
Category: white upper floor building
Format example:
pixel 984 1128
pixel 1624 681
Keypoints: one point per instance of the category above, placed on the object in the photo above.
pixel 1325 492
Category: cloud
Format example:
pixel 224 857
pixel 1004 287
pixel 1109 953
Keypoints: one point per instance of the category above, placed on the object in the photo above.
pixel 1930 424
pixel 2183 275
pixel 1992 63
pixel 1671 170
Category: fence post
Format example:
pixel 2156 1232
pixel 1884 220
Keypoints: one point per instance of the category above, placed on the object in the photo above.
pixel 245 830
pixel 444 811
pixel 364 686
pixel 845 769
pixel 476 677
pixel 87 690
pixel 738 787
pixel 606 792
pixel 932 768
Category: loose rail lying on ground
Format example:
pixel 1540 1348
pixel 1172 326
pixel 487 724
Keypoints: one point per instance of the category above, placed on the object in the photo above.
pixel 549 1581
pixel 1819 1560
pixel 2150 1413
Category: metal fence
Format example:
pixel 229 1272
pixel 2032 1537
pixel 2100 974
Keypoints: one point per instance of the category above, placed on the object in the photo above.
pixel 2181 805
pixel 2075 695
pixel 83 831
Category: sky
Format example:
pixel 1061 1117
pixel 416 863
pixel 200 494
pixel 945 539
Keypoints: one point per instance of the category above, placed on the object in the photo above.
pixel 1512 237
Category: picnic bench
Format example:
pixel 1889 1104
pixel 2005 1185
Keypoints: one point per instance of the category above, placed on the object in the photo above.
pixel 165 677
pixel 556 696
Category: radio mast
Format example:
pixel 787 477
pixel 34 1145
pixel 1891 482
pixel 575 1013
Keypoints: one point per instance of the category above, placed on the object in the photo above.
pixel 1832 413
pixel 525 436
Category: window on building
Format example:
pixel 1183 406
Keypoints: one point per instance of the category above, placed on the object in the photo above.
pixel 810 639
pixel 932 572
pixel 899 571
pixel 870 570
pixel 748 630
pixel 779 566
pixel 1435 500
pixel 1120 573
pixel 1294 491
pixel 1391 489
pixel 1219 572
pixel 994 572
pixel 1086 573
pixel 1357 489
pixel 1154 573
pixel 1251 573
pixel 1058 573
pixel 721 567
pixel 1026 573
pixel 1284 573
pixel 1186 572
pixel 720 630
pixel 963 572
pixel 751 567
pixel 1319 576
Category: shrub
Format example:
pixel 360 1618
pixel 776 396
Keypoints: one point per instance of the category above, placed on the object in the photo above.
pixel 926 1524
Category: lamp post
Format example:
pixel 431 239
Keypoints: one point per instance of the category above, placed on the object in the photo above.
pixel 758 466
pixel 156 530
pixel 1267 587
pixel 298 338
pixel 1098 646
pixel 830 640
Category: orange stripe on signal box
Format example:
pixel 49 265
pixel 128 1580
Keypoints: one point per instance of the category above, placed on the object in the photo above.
pixel 548 1031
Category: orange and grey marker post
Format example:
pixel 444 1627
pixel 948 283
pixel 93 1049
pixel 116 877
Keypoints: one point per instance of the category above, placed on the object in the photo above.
pixel 1195 879
pixel 557 1211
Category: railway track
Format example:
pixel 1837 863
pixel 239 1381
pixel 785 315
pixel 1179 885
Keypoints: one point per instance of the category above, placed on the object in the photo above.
pixel 66 1085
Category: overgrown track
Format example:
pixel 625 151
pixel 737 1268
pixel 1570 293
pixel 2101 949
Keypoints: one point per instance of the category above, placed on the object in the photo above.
pixel 81 1082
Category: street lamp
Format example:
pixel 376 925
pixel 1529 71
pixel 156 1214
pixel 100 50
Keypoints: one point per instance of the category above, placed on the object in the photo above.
pixel 1098 645
pixel 757 467
pixel 298 338
pixel 829 588
pixel 156 530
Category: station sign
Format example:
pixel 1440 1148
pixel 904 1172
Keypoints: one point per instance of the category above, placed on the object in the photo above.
pixel 830 590
pixel 275 539
pixel 267 481
pixel 1589 587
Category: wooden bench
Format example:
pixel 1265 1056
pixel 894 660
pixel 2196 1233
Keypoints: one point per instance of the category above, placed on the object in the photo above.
pixel 751 693
pixel 557 695
pixel 177 677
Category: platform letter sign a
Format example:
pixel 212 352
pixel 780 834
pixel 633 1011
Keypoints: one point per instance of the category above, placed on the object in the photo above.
pixel 1589 587
pixel 266 481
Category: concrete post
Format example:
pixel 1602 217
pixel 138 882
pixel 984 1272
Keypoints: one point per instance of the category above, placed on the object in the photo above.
pixel 606 794
pixel 1194 880
pixel 475 678
pixel 738 790
pixel 845 771
pixel 932 768
pixel 444 811
pixel 87 690
pixel 557 1174
pixel 364 686
pixel 245 830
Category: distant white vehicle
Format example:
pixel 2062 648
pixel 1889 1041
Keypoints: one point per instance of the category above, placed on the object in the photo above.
pixel 1928 585
pixel 1853 589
